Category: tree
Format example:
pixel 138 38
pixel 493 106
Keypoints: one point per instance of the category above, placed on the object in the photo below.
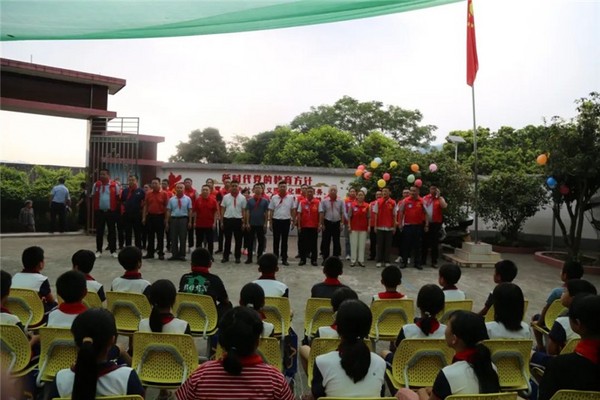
pixel 508 199
pixel 362 118
pixel 206 146
pixel 235 148
pixel 573 148
pixel 255 149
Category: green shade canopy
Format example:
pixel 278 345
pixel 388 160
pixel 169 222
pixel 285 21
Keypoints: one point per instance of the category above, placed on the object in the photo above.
pixel 126 19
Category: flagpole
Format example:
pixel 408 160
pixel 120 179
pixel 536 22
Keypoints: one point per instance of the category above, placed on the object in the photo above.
pixel 475 167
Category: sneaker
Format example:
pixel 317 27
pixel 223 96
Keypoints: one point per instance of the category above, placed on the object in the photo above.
pixel 352 265
pixel 361 265
pixel 98 254
pixel 397 260
pixel 378 265
pixel 348 258
pixel 114 254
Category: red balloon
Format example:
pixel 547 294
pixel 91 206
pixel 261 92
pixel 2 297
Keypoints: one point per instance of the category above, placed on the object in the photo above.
pixel 418 183
pixel 367 175
pixel 564 190
pixel 386 177
pixel 361 167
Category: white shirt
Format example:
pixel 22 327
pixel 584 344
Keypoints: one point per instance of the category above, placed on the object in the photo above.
pixel 112 384
pixel 328 332
pixel 60 319
pixel 338 384
pixel 412 331
pixel 28 280
pixel 454 294
pixel 233 206
pixel 282 208
pixel 121 284
pixel 267 329
pixel 497 330
pixel 176 325
pixel 9 319
pixel 272 287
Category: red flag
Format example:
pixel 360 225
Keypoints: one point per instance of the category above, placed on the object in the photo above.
pixel 472 63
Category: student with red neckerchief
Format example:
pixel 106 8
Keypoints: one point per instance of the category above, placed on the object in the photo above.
pixel 162 298
pixel 130 259
pixel 391 278
pixel 71 287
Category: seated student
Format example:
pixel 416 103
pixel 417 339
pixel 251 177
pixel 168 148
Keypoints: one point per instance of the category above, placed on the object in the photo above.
pixel 449 274
pixel 471 371
pixel 332 268
pixel 242 373
pixel 391 278
pixel 71 287
pixel 95 333
pixel 430 301
pixel 83 261
pixel 253 296
pixel 201 281
pixel 162 298
pixel 6 317
pixel 267 266
pixel 509 306
pixel 362 372
pixel 578 370
pixel 504 271
pixel 130 259
pixel 31 277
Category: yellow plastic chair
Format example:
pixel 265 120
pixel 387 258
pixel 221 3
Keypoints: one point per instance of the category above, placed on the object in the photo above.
pixel 268 349
pixel 128 309
pixel 200 312
pixel 489 317
pixel 357 398
pixel 91 300
pixel 511 357
pixel 15 354
pixel 27 305
pixel 570 346
pixel 417 362
pixel 454 305
pixel 123 397
pixel 277 311
pixel 555 310
pixel 58 351
pixel 487 396
pixel 164 360
pixel 318 313
pixel 389 316
pixel 576 395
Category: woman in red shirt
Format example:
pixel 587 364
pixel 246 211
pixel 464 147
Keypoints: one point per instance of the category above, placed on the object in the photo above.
pixel 358 226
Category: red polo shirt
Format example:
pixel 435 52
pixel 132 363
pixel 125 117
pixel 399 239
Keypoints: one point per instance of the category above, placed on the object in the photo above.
pixel 156 202
pixel 191 193
pixel 385 212
pixel 360 212
pixel 205 210
pixel 309 213
pixel 414 212
pixel 434 203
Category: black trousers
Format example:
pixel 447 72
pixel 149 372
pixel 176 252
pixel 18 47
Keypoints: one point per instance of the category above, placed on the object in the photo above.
pixel 232 227
pixel 412 236
pixel 281 231
pixel 431 240
pixel 331 231
pixel 108 219
pixel 308 244
pixel 58 210
pixel 120 230
pixel 384 245
pixel 221 235
pixel 156 230
pixel 132 225
pixel 190 235
pixel 256 232
pixel 207 234
pixel 372 243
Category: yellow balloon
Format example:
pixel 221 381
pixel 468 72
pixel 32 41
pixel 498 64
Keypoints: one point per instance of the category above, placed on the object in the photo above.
pixel 542 159
pixel 374 164
pixel 381 183
pixel 393 164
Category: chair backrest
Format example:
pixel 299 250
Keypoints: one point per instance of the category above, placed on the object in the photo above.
pixel 318 312
pixel 15 352
pixel 417 362
pixel 575 395
pixel 555 310
pixel 128 309
pixel 58 351
pixel 163 359
pixel 453 305
pixel 92 300
pixel 278 312
pixel 269 349
pixel 511 357
pixel 199 311
pixel 389 316
pixel 570 346
pixel 357 398
pixel 487 396
pixel 27 305
pixel 123 397
pixel 322 346
pixel 489 317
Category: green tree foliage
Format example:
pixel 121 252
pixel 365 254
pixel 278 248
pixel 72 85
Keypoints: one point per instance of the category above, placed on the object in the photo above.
pixel 362 118
pixel 574 148
pixel 507 199
pixel 255 149
pixel 14 184
pixel 206 146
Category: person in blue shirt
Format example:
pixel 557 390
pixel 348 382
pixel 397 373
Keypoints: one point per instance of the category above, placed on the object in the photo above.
pixel 59 200
pixel 178 221
pixel 255 217
pixel 132 199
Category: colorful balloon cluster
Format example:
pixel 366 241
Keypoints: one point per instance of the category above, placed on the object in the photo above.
pixel 551 182
pixel 361 170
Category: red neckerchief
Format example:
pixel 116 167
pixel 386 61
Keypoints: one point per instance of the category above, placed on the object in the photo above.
pixel 588 348
pixel 179 201
pixel 267 276
pixel 132 275
pixel 88 277
pixel 72 308
pixel 263 316
pixel 435 324
pixel 29 272
pixel 166 318
pixel 5 310
pixel 453 287
pixel 465 355
pixel 200 270
pixel 131 190
pixel 332 282
pixel 390 295
pixel 334 326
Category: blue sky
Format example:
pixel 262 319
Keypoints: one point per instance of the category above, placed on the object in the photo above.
pixel 536 57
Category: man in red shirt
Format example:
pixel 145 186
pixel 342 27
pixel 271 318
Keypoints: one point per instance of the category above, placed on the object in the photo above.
pixel 373 231
pixel 434 203
pixel 206 211
pixel 307 220
pixel 153 217
pixel 299 198
pixel 385 224
pixel 411 219
pixel 190 192
pixel 398 234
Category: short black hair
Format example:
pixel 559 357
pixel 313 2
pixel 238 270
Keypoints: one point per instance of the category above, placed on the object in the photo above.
pixel 5 282
pixel 333 267
pixel 252 295
pixel 201 257
pixel 506 269
pixel 32 257
pixel 267 263
pixel 84 260
pixel 188 179
pixel 134 176
pixel 165 180
pixel 156 178
pixel 282 182
pixel 572 269
pixel 580 286
pixel 71 286
pixel 451 273
pixel 61 180
pixel 340 295
pixel 130 257
pixel 391 276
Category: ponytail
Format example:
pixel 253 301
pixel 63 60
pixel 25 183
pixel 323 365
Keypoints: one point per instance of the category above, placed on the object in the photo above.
pixel 155 320
pixel 355 358
pixel 232 363
pixel 162 296
pixel 426 323
pixel 86 371
pixel 485 372
pixel 354 319
pixel 239 331
pixel 430 301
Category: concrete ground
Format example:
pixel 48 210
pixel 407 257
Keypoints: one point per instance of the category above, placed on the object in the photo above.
pixel 536 279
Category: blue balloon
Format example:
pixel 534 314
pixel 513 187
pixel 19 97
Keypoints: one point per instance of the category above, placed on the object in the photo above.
pixel 551 182
pixel 378 160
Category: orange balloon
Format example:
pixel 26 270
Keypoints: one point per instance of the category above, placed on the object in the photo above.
pixel 359 172
pixel 542 159
pixel 414 168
